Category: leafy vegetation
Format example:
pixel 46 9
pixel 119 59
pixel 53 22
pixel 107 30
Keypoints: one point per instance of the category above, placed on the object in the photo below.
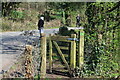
pixel 101 39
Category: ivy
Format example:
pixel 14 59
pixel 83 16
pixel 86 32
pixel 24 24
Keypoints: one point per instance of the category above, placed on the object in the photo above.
pixel 101 40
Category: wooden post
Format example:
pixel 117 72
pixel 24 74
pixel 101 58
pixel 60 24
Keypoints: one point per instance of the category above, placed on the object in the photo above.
pixel 50 54
pixel 43 55
pixel 28 62
pixel 81 48
pixel 64 17
pixel 73 53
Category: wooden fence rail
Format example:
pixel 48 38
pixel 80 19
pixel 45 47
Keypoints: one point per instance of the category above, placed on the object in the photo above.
pixel 62 56
pixel 50 54
pixel 43 60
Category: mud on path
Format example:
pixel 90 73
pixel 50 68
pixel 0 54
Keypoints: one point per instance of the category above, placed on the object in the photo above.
pixel 17 70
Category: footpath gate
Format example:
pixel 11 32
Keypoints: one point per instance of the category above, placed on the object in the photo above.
pixel 74 49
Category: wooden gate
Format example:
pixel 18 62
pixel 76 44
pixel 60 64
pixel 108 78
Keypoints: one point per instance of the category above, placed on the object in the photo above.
pixel 73 48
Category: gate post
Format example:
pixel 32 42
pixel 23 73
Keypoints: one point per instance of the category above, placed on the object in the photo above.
pixel 73 52
pixel 81 48
pixel 50 54
pixel 43 55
